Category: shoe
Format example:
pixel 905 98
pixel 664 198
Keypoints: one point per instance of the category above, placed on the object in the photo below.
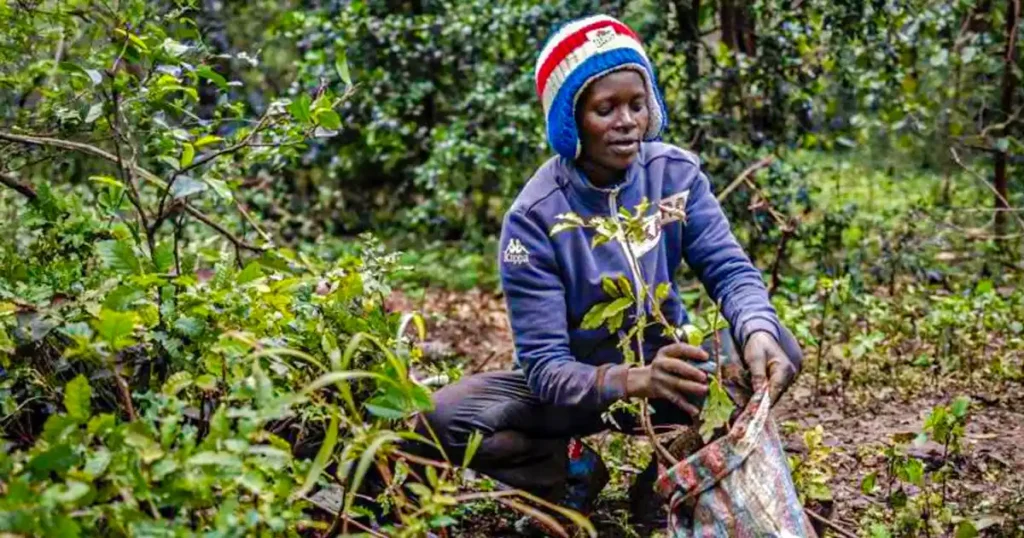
pixel 587 476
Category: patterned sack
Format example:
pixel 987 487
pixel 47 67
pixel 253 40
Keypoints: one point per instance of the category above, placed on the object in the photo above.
pixel 739 485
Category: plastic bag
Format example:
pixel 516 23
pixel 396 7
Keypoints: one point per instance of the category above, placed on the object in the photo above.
pixel 738 485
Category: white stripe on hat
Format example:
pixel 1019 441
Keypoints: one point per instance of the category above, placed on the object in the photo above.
pixel 563 32
pixel 577 57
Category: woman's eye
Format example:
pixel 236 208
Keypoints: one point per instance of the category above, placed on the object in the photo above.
pixel 604 110
pixel 637 106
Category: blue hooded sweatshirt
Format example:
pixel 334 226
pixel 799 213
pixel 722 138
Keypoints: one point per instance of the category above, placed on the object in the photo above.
pixel 552 281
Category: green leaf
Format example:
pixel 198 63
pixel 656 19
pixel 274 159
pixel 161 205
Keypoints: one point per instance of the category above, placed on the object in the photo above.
pixel 94 113
pixel 341 65
pixel 176 383
pixel 219 187
pixel 879 530
pixel 616 307
pixel 115 328
pixel 615 322
pixel 217 459
pixel 189 326
pixel 718 408
pixel 625 286
pixel 206 140
pixel 99 425
pixel 694 336
pixel 608 285
pixel 966 529
pixel 119 256
pixel 299 108
pixel 914 470
pixel 661 292
pixel 77 398
pixel 94 76
pixel 323 456
pixel 594 317
pixel 381 406
pixel 328 119
pixel 186 186
pixel 207 72
pixel 867 485
pixel 67 493
pixel 163 258
pixel 561 227
pixel 960 406
pixel 96 463
pixel 188 153
pixel 122 298
pixel 471 447
pixel 251 272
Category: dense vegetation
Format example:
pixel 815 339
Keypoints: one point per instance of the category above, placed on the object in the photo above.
pixel 196 331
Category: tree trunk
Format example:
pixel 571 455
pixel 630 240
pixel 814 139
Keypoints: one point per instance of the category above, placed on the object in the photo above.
pixel 1006 105
pixel 688 22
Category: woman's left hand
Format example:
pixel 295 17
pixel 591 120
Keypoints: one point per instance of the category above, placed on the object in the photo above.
pixel 768 363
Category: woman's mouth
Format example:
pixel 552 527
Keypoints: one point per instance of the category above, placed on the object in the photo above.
pixel 624 147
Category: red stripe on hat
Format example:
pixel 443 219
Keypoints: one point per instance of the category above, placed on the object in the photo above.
pixel 570 43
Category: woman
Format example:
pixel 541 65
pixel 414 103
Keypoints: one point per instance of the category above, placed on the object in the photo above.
pixel 604 113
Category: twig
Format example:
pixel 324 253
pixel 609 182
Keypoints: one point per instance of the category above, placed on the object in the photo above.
pixel 239 243
pixel 1006 203
pixel 145 174
pixel 249 219
pixel 744 175
pixel 23 188
pixel 829 523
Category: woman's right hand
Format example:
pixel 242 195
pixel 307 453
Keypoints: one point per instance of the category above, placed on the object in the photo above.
pixel 671 377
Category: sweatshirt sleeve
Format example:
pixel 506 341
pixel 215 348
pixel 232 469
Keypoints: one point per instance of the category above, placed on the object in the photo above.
pixel 710 248
pixel 536 301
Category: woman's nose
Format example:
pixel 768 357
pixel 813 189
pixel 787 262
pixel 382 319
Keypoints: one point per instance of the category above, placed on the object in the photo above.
pixel 626 119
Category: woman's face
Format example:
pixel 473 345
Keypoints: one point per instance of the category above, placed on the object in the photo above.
pixel 612 118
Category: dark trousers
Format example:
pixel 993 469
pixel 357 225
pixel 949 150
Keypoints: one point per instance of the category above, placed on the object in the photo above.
pixel 524 440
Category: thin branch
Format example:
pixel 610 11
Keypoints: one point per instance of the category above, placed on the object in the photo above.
pixel 1006 203
pixel 239 243
pixel 142 172
pixel 252 222
pixel 830 524
pixel 743 177
pixel 77 146
pixel 23 188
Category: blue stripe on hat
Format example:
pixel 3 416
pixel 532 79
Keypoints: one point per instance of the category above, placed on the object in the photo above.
pixel 561 129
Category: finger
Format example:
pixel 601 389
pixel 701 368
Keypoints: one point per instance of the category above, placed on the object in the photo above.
pixel 782 374
pixel 682 369
pixel 680 350
pixel 689 388
pixel 682 403
pixel 756 365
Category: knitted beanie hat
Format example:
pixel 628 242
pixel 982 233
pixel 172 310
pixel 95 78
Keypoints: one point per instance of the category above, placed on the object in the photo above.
pixel 579 53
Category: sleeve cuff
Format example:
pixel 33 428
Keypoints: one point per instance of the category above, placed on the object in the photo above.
pixel 611 383
pixel 754 325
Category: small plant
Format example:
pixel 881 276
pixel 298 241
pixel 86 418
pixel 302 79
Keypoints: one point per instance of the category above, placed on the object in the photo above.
pixel 637 298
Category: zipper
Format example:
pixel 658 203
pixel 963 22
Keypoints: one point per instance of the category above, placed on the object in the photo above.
pixel 634 266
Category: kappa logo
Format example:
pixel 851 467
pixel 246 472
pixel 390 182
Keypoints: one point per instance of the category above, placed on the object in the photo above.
pixel 601 36
pixel 515 253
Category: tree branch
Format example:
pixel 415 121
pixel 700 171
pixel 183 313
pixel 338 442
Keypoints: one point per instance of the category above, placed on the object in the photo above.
pixel 23 188
pixel 975 175
pixel 142 172
pixel 239 243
